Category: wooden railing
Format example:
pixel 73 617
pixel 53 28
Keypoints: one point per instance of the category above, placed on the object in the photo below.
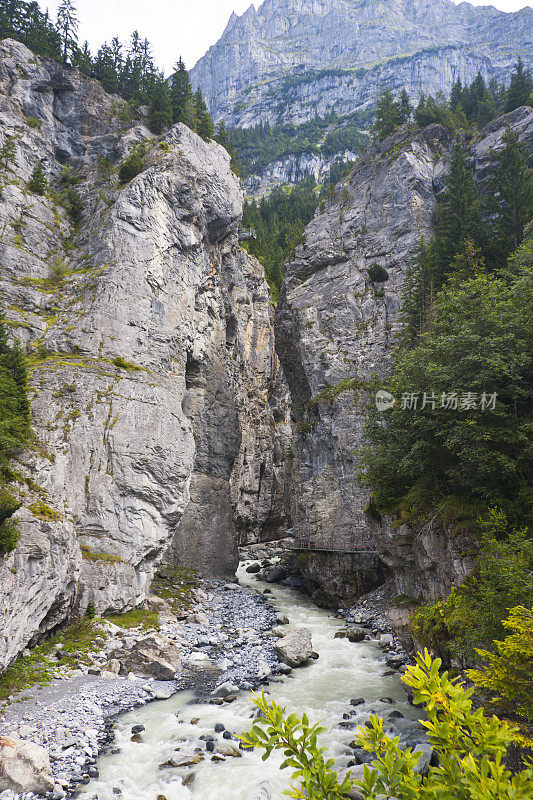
pixel 321 547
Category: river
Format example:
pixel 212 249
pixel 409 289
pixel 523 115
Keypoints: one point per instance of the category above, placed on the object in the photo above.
pixel 323 690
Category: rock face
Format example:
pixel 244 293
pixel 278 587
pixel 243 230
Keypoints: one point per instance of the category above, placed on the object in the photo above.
pixel 335 327
pixel 24 766
pixel 150 341
pixel 292 59
pixel 292 169
pixel 295 648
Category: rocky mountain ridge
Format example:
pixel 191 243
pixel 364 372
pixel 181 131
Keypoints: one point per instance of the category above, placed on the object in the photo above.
pixel 291 60
pixel 157 399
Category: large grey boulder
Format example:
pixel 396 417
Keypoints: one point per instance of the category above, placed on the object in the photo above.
pixel 154 656
pixel 24 766
pixel 295 648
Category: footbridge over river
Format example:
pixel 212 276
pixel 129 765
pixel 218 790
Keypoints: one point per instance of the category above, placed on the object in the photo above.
pixel 308 545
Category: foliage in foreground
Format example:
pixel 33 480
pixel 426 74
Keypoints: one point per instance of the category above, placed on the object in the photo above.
pixel 507 676
pixel 470 749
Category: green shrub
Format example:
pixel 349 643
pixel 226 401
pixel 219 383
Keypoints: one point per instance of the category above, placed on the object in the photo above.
pixel 121 363
pixel 133 164
pixel 33 122
pixel 507 676
pixel 378 274
pixel 9 535
pixel 470 748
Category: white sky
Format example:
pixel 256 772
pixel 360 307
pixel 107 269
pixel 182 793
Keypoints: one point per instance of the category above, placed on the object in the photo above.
pixel 173 27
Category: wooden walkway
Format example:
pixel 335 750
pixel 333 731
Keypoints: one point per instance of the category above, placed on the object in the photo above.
pixel 319 547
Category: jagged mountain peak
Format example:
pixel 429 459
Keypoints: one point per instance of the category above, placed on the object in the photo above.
pixel 292 59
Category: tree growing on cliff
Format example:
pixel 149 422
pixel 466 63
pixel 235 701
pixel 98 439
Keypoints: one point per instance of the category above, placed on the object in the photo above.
pixel 37 182
pixel 204 124
pixel 160 107
pixel 520 87
pixel 182 97
pixel 389 114
pixel 512 196
pixel 459 434
pixel 67 25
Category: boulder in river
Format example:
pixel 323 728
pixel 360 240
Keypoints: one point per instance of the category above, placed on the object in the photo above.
pixel 24 766
pixel 355 634
pixel 295 648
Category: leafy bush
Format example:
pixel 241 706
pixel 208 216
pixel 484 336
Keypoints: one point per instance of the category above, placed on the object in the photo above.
pixel 507 676
pixel 133 164
pixel 378 274
pixel 470 749
pixel 121 363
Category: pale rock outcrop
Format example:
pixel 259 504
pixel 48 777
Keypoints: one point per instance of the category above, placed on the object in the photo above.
pixel 149 333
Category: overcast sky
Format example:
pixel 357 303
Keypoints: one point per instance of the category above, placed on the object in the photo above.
pixel 173 27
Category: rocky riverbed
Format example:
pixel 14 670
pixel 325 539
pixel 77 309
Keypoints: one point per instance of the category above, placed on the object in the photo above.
pixel 230 640
pixel 223 640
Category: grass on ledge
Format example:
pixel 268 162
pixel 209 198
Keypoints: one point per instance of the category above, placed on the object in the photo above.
pixel 137 618
pixel 38 668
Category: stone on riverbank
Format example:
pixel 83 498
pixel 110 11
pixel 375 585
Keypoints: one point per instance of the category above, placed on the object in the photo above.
pixel 295 648
pixel 24 766
pixel 154 656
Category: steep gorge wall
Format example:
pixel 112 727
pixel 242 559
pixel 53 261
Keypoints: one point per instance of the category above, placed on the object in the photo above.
pixel 335 328
pixel 150 339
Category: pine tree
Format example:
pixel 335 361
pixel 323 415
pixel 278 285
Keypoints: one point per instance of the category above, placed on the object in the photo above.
pixel 417 294
pixel 83 59
pixel 520 87
pixel 204 126
pixel 160 107
pixel 67 24
pixel 38 182
pixel 182 96
pixel 7 154
pixel 458 216
pixel 104 69
pixel 388 117
pixel 512 193
pixel 456 95
pixel 406 109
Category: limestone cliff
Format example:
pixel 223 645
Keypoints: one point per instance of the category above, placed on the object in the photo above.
pixel 335 327
pixel 290 60
pixel 150 342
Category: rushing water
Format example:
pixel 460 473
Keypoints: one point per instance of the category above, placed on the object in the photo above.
pixel 323 690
